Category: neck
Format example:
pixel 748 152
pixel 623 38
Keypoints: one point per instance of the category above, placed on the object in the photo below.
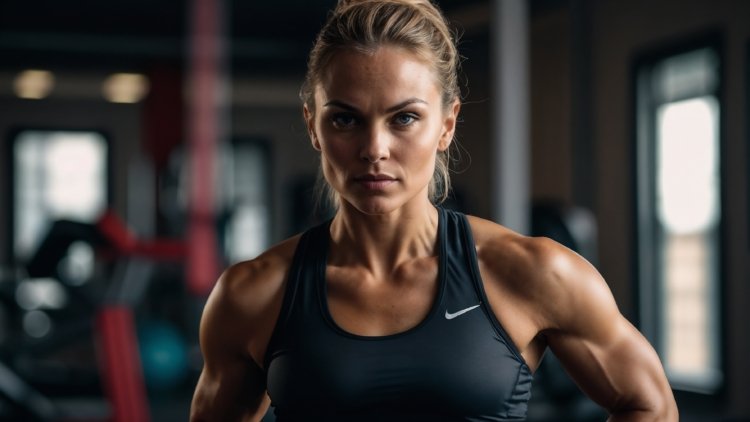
pixel 381 243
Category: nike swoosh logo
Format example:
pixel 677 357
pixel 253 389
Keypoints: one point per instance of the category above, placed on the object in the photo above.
pixel 449 315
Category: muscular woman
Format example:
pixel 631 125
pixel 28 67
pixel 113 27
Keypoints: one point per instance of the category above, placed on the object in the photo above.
pixel 396 308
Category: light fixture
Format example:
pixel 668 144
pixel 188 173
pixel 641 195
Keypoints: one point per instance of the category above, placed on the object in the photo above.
pixel 34 84
pixel 125 88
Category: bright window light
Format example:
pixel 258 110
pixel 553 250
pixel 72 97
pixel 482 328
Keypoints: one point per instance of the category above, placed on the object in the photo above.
pixel 688 166
pixel 679 215
pixel 245 178
pixel 58 175
pixel 688 210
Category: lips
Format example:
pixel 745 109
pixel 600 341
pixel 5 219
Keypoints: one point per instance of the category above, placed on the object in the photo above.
pixel 374 177
pixel 375 181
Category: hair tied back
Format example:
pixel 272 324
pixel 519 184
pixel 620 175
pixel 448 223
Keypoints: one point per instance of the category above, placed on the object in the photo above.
pixel 347 3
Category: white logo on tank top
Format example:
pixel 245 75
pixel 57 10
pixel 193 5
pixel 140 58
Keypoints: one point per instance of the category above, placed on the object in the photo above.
pixel 449 315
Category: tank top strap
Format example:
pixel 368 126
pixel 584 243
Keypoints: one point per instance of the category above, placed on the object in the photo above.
pixel 300 290
pixel 457 256
pixel 465 242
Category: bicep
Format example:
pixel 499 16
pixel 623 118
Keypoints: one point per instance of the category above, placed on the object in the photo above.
pixel 231 385
pixel 605 355
pixel 618 371
pixel 230 394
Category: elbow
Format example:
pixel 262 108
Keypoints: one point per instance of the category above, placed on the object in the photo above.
pixel 196 416
pixel 664 405
pixel 662 408
pixel 668 410
pixel 199 412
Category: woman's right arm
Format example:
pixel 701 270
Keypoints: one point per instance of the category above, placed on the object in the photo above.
pixel 237 322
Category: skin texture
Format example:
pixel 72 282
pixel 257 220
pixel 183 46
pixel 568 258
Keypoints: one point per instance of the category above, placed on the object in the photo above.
pixel 378 123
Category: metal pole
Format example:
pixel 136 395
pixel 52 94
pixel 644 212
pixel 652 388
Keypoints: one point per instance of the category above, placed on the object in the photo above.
pixel 510 123
pixel 205 108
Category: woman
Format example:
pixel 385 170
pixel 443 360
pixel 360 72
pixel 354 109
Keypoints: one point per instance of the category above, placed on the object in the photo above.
pixel 397 309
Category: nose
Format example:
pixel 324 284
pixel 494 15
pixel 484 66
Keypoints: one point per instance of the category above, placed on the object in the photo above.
pixel 375 145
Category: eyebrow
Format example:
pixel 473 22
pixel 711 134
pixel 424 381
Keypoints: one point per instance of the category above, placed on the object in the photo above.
pixel 399 106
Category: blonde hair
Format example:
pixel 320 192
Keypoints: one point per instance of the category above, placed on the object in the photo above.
pixel 364 25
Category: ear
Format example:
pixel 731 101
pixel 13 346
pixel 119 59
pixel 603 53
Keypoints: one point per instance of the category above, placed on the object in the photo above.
pixel 310 123
pixel 449 125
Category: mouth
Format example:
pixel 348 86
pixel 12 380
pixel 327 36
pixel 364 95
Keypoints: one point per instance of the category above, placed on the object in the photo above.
pixel 375 181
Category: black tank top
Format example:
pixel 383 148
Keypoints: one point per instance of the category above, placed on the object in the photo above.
pixel 458 364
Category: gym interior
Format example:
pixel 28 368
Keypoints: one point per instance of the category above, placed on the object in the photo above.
pixel 148 145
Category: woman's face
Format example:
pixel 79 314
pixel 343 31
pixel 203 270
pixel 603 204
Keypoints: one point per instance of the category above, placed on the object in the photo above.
pixel 379 122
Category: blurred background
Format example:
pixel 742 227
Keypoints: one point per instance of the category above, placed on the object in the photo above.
pixel 148 144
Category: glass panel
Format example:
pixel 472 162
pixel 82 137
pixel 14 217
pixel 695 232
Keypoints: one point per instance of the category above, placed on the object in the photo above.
pixel 688 211
pixel 688 195
pixel 58 175
pixel 247 231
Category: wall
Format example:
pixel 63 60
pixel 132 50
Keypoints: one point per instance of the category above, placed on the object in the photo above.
pixel 620 31
pixel 551 111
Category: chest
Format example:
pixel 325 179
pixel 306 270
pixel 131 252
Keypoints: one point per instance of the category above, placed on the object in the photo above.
pixel 455 365
pixel 361 304
pixel 444 356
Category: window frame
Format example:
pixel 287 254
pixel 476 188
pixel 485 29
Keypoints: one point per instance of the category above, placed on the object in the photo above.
pixel 747 136
pixel 644 262
pixel 12 139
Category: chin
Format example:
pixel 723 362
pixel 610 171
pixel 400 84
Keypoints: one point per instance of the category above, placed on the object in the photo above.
pixel 383 204
pixel 375 209
pixel 373 205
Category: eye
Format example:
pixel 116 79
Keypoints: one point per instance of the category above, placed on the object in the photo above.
pixel 405 119
pixel 343 120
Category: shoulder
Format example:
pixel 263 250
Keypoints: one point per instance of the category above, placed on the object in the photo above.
pixel 507 252
pixel 552 280
pixel 237 321
pixel 247 296
pixel 245 281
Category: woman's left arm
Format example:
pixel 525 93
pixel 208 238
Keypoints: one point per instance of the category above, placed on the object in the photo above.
pixel 604 354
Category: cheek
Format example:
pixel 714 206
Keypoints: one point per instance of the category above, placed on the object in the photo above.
pixel 330 146
pixel 335 158
pixel 425 151
pixel 418 160
pixel 336 152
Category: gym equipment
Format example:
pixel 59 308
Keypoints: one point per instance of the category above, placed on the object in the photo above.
pixel 205 124
pixel 34 405
pixel 121 371
pixel 123 378
pixel 163 354
pixel 109 235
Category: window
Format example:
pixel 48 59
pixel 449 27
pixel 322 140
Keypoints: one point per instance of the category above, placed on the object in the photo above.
pixel 679 214
pixel 56 175
pixel 245 174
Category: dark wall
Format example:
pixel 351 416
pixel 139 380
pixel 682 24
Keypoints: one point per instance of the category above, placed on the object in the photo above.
pixel 620 32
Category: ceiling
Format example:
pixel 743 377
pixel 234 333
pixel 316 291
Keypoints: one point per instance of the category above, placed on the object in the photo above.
pixel 264 36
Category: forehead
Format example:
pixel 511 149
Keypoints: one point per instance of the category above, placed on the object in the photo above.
pixel 388 71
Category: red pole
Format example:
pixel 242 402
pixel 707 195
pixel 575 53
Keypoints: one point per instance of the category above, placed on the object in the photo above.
pixel 202 267
pixel 121 365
